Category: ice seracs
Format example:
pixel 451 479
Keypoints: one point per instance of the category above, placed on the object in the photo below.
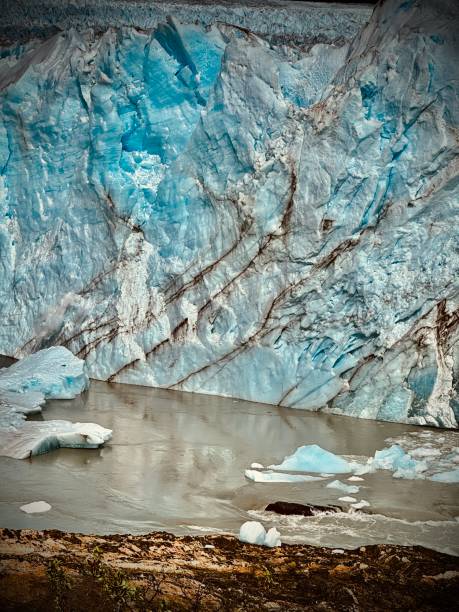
pixel 53 373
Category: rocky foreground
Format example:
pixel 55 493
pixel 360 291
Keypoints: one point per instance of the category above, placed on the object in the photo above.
pixel 46 570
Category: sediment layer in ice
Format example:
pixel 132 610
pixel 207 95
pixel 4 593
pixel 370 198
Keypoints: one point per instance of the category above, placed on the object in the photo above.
pixel 202 209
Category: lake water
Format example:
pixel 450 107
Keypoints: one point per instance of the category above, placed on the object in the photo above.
pixel 177 461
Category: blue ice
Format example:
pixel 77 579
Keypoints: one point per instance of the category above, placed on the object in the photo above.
pixel 313 458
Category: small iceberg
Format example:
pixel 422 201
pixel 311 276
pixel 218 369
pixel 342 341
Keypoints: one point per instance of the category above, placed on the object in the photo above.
pixel 36 507
pixel 53 373
pixel 39 437
pixel 253 532
pixel 269 476
pixel 341 486
pixel 361 504
pixel 403 465
pixel 313 458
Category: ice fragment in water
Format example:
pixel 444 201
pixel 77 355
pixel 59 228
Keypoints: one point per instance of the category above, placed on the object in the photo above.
pixel 35 507
pixel 313 458
pixel 341 486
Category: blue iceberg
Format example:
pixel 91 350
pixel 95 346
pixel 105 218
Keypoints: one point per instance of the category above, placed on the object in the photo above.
pixel 313 458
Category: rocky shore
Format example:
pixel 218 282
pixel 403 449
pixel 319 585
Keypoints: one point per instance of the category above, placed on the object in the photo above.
pixel 46 570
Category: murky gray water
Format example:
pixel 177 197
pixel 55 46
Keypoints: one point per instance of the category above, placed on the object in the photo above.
pixel 177 462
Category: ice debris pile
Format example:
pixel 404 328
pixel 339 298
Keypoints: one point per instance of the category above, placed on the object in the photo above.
pixel 52 373
pixel 411 456
pixel 253 532
pixel 203 208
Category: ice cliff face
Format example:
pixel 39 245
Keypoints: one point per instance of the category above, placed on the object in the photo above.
pixel 202 209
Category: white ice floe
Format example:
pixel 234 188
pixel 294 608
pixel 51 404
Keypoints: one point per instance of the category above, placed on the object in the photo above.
pixel 38 437
pixel 341 486
pixel 253 532
pixel 355 479
pixel 35 507
pixel 257 466
pixel 24 387
pixel 347 499
pixel 270 476
pixel 361 504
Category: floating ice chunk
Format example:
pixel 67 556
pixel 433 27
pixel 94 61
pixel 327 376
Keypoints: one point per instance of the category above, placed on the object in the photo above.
pixel 338 551
pixel 24 387
pixel 355 479
pixel 341 486
pixel 55 372
pixel 394 458
pixel 348 500
pixel 38 437
pixel 269 476
pixel 35 507
pixel 273 538
pixel 313 458
pixel 364 468
pixel 361 504
pixel 387 458
pixel 425 452
pixel 253 532
pixel 452 476
pixel 256 466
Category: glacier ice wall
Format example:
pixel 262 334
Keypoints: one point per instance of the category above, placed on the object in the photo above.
pixel 201 208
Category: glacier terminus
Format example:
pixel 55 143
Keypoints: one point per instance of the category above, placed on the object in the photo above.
pixel 258 204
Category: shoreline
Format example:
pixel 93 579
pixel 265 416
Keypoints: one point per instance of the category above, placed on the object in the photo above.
pixel 46 570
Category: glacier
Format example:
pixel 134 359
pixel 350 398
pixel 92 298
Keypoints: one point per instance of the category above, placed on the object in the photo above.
pixel 52 373
pixel 259 203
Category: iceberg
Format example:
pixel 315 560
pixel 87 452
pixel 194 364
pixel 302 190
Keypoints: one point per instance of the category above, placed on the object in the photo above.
pixel 313 458
pixel 190 199
pixel 361 504
pixel 269 476
pixel 36 507
pixel 53 373
pixel 342 486
pixel 39 437
pixel 253 532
